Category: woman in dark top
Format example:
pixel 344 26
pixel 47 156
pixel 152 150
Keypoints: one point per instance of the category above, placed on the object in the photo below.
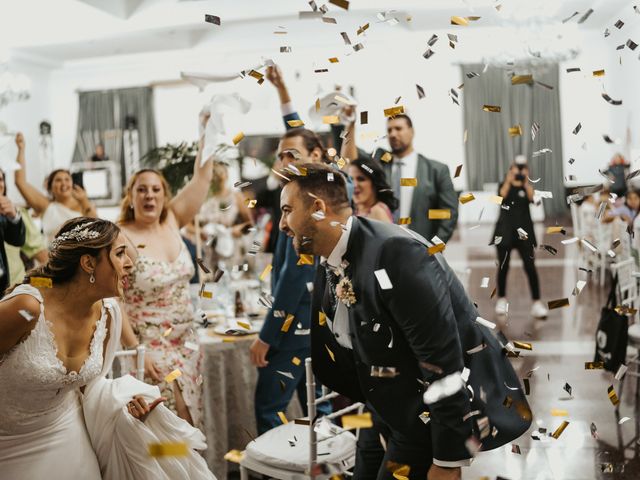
pixel 514 230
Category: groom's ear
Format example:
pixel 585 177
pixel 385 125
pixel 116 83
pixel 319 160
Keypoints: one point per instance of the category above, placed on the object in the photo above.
pixel 320 205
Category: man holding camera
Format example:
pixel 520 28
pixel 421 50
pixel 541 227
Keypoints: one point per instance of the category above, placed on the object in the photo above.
pixel 514 230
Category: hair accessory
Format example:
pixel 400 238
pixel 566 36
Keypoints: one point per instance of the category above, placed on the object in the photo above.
pixel 78 233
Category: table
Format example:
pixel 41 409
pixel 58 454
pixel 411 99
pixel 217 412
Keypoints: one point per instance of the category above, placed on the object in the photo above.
pixel 229 383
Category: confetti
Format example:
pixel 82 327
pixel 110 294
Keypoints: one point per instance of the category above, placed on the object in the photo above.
pixel 358 46
pixel 523 345
pixel 486 323
pixel 386 157
pixel 26 315
pixel 610 100
pixel 623 420
pixel 212 19
pixel 251 203
pixel 384 372
pixel 345 37
pixel 622 369
pixel 569 18
pixel 285 374
pixel 515 131
pixel 43 282
pixel 295 123
pixel 330 119
pixel 296 361
pixel 556 229
pixel 461 21
pixel 234 456
pixel 173 375
pixel 598 73
pixel 521 79
pixel 492 108
pixel 393 111
pixel 577 129
pixel 562 302
pixel 202 265
pixel 436 249
pixel 420 91
pixel 567 388
pixel 613 396
pixel 439 214
pixel 408 182
pixel 305 259
pixel 619 24
pixel 334 60
pixel 560 429
pixel 167 332
pixel 362 29
pixel 333 358
pixel 515 449
pixel 631 45
pixel 527 386
pixel 580 284
pixel 535 128
pixel 496 199
pixel 466 198
pixel 428 53
pixel 265 272
pixel 383 279
pixel 176 449
pixel 593 365
pixel 484 283
pixel 287 323
pixel 283 418
pixel 404 221
pixel 477 349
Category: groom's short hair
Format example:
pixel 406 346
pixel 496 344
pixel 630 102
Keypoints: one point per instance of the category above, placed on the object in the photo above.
pixel 321 181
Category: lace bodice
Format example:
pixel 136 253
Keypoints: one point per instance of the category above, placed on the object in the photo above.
pixel 34 383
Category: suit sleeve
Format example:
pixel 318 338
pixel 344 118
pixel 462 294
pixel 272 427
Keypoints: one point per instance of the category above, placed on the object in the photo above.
pixel 420 303
pixel 288 292
pixel 14 233
pixel 448 199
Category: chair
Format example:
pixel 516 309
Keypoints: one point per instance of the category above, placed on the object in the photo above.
pixel 138 353
pixel 299 435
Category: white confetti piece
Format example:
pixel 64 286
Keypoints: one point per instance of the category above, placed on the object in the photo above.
pixel 485 282
pixel 383 279
pixel 486 323
pixel 26 315
pixel 192 346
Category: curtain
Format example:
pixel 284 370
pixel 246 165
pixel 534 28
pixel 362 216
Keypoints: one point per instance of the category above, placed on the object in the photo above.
pixel 490 149
pixel 101 119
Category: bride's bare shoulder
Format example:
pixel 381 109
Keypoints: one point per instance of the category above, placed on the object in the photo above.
pixel 18 316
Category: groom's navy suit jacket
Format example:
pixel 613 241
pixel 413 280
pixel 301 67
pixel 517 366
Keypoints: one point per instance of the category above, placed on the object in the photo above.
pixel 424 327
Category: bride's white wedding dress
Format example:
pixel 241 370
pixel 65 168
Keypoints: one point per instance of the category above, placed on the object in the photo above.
pixel 50 430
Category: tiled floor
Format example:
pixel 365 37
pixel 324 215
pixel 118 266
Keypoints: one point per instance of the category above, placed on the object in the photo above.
pixel 561 345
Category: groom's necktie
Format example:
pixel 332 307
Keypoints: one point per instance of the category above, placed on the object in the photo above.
pixel 332 303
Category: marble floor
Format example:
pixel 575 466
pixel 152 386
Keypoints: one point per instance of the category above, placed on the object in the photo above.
pixel 561 345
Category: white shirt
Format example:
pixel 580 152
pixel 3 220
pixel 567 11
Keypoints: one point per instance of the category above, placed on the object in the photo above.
pixel 409 170
pixel 340 324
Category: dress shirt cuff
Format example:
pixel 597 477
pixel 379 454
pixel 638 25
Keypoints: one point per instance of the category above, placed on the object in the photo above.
pixel 453 464
pixel 15 220
pixel 287 108
pixel 272 182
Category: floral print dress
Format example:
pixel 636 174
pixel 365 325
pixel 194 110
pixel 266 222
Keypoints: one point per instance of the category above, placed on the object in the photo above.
pixel 159 308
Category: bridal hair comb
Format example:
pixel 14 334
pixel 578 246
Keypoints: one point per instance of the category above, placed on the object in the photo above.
pixel 79 233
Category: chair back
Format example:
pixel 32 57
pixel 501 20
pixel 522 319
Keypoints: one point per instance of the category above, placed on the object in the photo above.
pixel 139 353
pixel 627 293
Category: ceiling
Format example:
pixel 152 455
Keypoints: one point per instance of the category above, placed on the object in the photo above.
pixel 55 32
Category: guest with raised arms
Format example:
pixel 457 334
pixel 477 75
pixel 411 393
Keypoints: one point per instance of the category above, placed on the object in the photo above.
pixel 157 303
pixel 65 200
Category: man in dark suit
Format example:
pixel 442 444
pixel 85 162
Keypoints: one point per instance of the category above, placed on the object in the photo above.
pixel 12 231
pixel 434 189
pixel 389 323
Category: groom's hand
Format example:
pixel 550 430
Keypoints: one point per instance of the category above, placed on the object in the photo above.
pixel 258 352
pixel 442 473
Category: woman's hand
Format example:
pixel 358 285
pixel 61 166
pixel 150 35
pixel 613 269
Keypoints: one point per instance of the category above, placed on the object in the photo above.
pixel 151 370
pixel 20 141
pixel 139 409
pixel 80 195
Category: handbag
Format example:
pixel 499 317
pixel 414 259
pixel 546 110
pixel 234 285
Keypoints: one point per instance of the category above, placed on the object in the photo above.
pixel 612 334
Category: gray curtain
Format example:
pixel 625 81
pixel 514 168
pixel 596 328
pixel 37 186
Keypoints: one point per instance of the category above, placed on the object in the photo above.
pixel 101 118
pixel 490 149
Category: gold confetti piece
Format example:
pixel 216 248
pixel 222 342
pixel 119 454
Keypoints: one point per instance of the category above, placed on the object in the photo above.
pixel 625 310
pixel 265 272
pixel 492 108
pixel 234 456
pixel 458 171
pixel 333 357
pixel 522 345
pixel 401 472
pixel 466 198
pixel 593 365
pixel 493 292
pixel 408 182
pixel 341 162
pixel 330 119
pixel 305 259
pixel 362 420
pixel 177 449
pixel 167 332
pixel 287 323
pixel 555 230
pixel 436 248
pixel 283 418
pixel 141 245
pixel 340 3
pixel 404 221
pixel 334 60
pixel 497 199
pixel 43 282
pixel 598 73
pixel 251 203
pixel 317 104
pixel 613 396
pixel 245 325
pixel 560 429
pixel 256 75
pixel 362 29
pixel 206 294
pixel 439 214
pixel 561 302
pixel 393 111
pixel 173 375
pixel 296 361
pixel 202 265
pixel 461 21
pixel 515 131
pixel 295 123
pixel 558 412
pixel 322 318
pixel 522 80
pixel 386 157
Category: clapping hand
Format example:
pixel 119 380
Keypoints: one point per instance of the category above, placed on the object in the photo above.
pixel 7 208
pixel 139 408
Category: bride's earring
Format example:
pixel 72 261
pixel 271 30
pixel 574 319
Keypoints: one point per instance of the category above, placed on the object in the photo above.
pixel 92 278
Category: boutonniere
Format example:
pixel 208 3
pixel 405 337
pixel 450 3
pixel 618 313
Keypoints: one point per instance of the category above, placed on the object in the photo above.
pixel 344 288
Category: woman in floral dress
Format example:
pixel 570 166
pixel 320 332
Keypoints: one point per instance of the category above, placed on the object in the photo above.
pixel 158 305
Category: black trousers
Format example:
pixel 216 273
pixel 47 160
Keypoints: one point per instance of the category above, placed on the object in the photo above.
pixel 525 249
pixel 374 463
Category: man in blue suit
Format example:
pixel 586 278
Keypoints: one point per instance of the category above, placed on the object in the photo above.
pixel 284 341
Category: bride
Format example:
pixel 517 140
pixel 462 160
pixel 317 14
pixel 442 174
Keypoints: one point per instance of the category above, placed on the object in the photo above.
pixel 61 418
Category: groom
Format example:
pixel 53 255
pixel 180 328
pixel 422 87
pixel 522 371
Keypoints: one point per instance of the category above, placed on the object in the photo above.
pixel 383 330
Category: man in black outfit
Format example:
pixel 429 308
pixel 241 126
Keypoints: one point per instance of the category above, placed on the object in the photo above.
pixel 390 322
pixel 12 231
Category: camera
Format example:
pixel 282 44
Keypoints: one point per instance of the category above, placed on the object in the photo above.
pixel 519 177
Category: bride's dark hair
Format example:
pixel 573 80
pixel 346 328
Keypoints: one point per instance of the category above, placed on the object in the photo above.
pixel 77 237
